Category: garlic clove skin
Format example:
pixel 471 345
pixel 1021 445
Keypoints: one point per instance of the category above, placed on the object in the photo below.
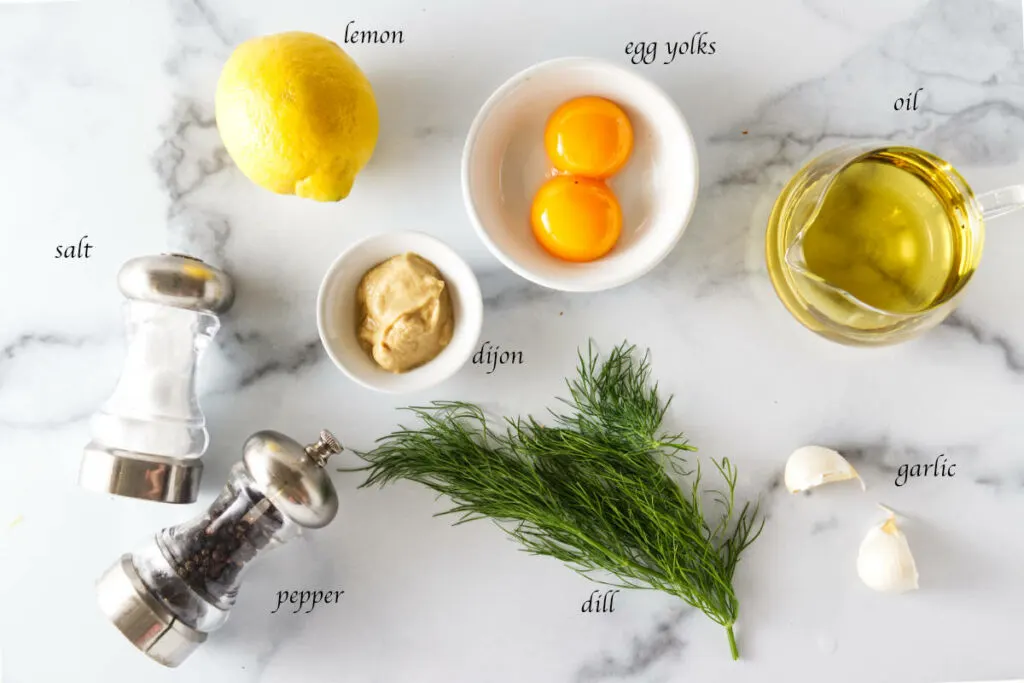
pixel 884 562
pixel 812 466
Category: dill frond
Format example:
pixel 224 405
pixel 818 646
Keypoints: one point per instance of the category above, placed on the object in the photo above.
pixel 592 489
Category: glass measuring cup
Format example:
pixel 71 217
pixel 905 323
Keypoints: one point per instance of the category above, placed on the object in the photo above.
pixel 872 243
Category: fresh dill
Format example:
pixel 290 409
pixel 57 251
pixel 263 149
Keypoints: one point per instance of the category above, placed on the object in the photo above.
pixel 592 488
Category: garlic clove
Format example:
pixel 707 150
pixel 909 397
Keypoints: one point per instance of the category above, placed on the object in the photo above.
pixel 812 466
pixel 884 562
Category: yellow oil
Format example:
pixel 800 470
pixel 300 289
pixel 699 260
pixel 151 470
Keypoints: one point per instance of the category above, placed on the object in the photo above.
pixel 893 231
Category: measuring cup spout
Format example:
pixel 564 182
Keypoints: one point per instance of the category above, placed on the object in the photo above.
pixel 797 263
pixel 1001 202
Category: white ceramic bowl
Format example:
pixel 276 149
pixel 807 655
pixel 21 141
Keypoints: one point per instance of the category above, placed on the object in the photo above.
pixel 504 163
pixel 336 311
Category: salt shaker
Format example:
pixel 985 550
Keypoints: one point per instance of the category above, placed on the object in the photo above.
pixel 148 437
pixel 166 597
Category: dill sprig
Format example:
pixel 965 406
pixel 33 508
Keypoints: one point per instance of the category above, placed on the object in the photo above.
pixel 591 489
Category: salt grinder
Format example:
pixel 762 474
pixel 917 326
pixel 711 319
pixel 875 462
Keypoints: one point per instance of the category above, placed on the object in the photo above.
pixel 166 597
pixel 148 437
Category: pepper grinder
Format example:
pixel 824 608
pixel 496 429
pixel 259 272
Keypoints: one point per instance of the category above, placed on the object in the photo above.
pixel 148 437
pixel 168 596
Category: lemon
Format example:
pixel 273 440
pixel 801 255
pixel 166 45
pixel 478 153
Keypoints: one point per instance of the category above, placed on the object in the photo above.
pixel 297 115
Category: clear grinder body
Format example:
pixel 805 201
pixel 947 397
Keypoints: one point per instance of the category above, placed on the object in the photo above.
pixel 149 436
pixel 168 595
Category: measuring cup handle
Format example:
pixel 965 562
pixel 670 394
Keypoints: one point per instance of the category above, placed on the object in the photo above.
pixel 1001 202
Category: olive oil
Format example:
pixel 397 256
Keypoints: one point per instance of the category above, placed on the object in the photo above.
pixel 892 237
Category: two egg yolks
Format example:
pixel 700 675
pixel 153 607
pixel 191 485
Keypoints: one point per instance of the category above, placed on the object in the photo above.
pixel 577 217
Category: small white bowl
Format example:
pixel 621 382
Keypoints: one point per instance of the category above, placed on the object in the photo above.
pixel 336 311
pixel 504 163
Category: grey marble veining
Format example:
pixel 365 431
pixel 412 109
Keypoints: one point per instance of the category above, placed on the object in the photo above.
pixel 646 652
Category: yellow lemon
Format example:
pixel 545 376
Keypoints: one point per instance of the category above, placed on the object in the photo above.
pixel 297 115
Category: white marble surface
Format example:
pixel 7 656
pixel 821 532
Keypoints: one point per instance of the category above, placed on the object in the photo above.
pixel 106 129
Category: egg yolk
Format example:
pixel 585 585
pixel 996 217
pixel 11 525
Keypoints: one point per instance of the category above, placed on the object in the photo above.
pixel 589 136
pixel 576 219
